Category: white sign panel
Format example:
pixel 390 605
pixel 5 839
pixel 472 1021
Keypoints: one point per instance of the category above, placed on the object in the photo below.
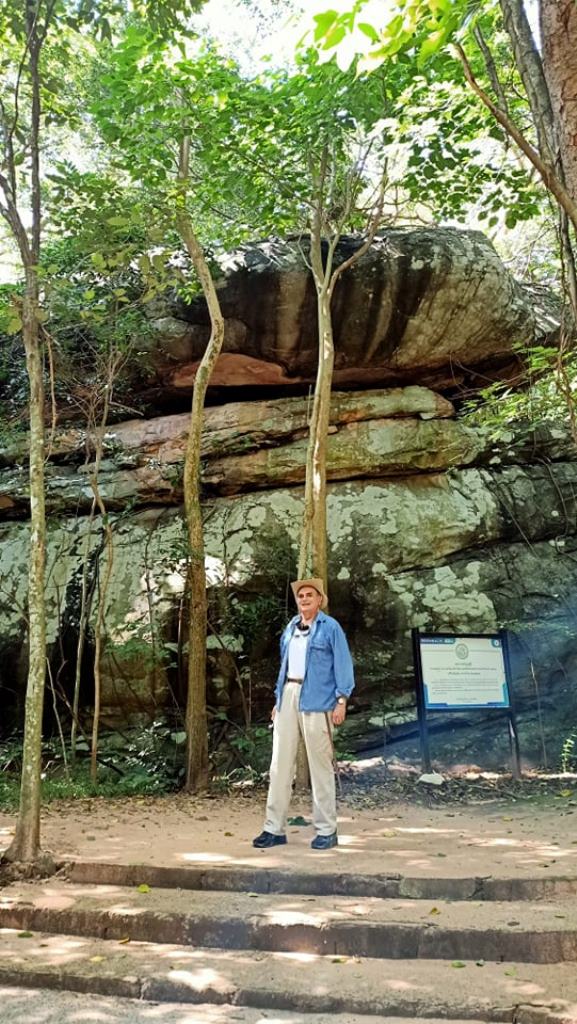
pixel 463 672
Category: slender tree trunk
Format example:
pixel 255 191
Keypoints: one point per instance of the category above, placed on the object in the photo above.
pixel 114 363
pixel 558 22
pixel 196 719
pixel 26 843
pixel 82 627
pixel 313 542
pixel 196 722
pixel 99 627
pixel 313 548
pixel 530 67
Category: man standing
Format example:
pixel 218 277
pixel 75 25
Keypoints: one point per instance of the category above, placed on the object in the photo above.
pixel 315 680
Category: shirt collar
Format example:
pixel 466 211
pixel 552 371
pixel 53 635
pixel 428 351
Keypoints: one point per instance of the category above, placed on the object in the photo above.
pixel 319 617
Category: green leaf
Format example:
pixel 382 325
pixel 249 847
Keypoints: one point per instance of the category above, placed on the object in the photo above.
pixel 118 221
pixel 324 23
pixel 369 30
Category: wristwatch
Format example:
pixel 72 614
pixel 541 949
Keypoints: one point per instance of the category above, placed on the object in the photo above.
pixel 341 700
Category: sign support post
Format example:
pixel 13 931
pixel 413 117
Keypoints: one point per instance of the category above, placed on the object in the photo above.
pixel 512 721
pixel 421 706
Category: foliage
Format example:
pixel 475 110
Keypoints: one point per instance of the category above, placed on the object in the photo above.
pixel 502 406
pixel 253 745
pixel 149 760
pixel 369 34
pixel 569 753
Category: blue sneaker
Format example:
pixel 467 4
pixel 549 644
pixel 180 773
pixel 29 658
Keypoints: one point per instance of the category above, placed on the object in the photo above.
pixel 268 839
pixel 324 842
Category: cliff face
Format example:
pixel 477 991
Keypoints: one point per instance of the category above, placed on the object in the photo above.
pixel 430 524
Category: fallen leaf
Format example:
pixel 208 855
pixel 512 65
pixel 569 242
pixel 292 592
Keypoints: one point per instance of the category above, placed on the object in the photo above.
pixel 339 960
pixel 566 792
pixel 479 963
pixel 144 887
pixel 458 963
pixel 122 942
pixel 299 820
pixel 434 910
pixel 96 959
pixel 25 935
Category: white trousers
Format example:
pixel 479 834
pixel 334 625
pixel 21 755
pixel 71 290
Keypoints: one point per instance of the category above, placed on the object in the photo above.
pixel 289 724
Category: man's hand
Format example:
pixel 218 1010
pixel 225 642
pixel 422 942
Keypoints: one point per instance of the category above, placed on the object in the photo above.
pixel 339 712
pixel 273 714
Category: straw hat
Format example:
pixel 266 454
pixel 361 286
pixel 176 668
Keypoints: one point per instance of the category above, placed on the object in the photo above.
pixel 316 583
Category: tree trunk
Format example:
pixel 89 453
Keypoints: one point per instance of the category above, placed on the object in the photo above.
pixel 558 22
pixel 196 718
pixel 26 843
pixel 313 547
pixel 530 67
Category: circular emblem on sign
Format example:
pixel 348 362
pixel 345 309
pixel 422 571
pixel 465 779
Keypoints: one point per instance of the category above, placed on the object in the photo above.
pixel 462 651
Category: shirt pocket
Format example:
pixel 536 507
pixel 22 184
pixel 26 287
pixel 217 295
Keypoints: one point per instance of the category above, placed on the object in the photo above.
pixel 321 653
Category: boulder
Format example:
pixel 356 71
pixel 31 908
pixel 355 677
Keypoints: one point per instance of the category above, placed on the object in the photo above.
pixel 428 305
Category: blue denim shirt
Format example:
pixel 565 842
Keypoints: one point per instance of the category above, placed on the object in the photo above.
pixel 328 666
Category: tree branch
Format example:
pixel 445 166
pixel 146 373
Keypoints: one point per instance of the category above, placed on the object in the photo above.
pixel 547 173
pixel 491 68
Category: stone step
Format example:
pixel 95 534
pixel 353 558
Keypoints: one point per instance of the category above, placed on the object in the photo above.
pixel 544 932
pixel 20 1006
pixel 312 883
pixel 300 983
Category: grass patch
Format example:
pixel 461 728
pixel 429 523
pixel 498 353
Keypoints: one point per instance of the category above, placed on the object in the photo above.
pixel 77 785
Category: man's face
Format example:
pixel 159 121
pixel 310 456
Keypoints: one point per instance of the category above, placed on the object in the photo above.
pixel 308 601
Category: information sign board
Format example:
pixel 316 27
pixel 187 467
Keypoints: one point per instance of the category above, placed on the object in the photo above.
pixel 463 672
pixel 460 672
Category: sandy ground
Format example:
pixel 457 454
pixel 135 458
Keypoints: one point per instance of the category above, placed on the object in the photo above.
pixel 495 838
pixel 29 1006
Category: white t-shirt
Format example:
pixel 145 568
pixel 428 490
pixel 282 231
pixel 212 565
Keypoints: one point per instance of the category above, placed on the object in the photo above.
pixel 297 654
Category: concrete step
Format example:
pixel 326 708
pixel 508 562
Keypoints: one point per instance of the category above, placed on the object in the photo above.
pixel 236 878
pixel 21 1006
pixel 398 929
pixel 299 983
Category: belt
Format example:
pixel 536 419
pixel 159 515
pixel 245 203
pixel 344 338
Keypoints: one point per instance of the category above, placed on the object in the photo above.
pixel 294 680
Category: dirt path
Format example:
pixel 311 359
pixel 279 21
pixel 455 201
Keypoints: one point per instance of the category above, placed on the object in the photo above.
pixel 496 838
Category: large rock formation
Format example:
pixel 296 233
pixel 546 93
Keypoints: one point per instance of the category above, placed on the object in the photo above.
pixel 431 522
pixel 423 305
